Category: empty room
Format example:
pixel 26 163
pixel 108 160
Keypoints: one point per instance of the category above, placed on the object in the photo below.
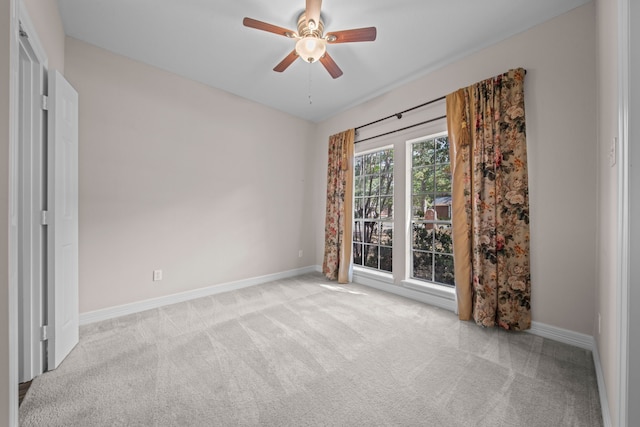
pixel 288 213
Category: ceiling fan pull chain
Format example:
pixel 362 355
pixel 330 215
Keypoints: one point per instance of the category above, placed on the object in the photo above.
pixel 310 99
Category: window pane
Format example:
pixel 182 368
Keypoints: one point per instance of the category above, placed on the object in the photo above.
pixel 372 185
pixel 386 207
pixel 385 259
pixel 357 254
pixel 443 208
pixel 370 255
pixel 371 163
pixel 371 232
pixel 443 178
pixel 386 161
pixel 386 233
pixel 442 149
pixel 444 269
pixel 357 208
pixel 357 231
pixel 422 268
pixel 422 180
pixel 358 165
pixel 442 239
pixel 421 203
pixel 431 215
pixel 386 184
pixel 373 202
pixel 423 153
pixel 431 211
pixel 423 237
pixel 371 209
pixel 358 186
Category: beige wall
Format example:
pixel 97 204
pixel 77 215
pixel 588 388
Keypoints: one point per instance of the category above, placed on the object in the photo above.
pixel 606 291
pixel 559 56
pixel 178 176
pixel 5 383
pixel 45 16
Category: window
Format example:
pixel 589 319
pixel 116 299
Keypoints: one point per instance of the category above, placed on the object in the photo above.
pixel 431 242
pixel 373 210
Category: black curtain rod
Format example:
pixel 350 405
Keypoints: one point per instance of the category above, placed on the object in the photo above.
pixel 399 115
pixel 401 129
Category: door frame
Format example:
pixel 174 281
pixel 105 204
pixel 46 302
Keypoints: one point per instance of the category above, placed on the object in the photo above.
pixel 628 295
pixel 32 175
pixel 14 10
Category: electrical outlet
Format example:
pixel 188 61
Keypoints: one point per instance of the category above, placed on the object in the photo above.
pixel 157 275
pixel 300 253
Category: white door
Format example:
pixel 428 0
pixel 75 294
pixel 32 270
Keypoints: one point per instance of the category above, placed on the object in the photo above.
pixel 31 232
pixel 62 187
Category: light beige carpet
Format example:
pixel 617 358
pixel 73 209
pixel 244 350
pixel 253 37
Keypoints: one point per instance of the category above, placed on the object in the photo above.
pixel 307 352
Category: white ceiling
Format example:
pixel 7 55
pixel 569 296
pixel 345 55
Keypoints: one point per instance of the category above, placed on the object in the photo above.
pixel 204 40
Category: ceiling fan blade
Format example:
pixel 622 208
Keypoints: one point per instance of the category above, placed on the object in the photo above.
pixel 284 64
pixel 312 10
pixel 357 35
pixel 259 25
pixel 331 66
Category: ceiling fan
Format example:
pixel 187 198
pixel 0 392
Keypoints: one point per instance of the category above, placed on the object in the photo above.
pixel 311 44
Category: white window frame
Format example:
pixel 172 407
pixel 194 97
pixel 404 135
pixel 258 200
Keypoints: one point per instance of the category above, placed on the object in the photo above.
pixel 444 293
pixel 397 282
pixel 376 273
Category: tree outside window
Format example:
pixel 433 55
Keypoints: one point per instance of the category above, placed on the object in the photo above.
pixel 373 210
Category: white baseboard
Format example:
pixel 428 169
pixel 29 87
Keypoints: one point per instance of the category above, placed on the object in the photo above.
pixel 565 336
pixel 136 307
pixel 602 389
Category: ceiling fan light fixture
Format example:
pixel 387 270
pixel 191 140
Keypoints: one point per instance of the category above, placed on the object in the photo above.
pixel 311 48
pixel 311 43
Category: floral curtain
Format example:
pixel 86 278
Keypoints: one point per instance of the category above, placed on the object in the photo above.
pixel 339 219
pixel 488 146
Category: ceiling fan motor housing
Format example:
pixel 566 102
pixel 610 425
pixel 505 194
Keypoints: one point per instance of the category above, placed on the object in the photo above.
pixel 305 31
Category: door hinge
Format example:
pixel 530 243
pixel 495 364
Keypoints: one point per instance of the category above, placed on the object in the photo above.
pixel 45 102
pixel 44 333
pixel 44 217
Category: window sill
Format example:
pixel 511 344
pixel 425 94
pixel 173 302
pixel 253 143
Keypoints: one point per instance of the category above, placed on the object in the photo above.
pixel 371 274
pixel 440 291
